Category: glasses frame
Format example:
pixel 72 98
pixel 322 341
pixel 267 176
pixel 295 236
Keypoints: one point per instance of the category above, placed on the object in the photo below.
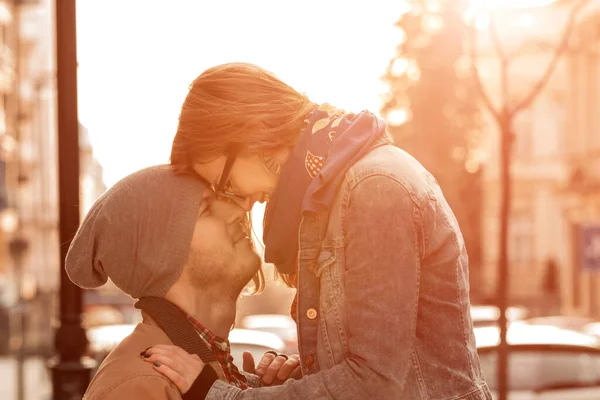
pixel 221 188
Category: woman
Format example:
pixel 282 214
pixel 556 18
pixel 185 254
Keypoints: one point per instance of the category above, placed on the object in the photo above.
pixel 357 225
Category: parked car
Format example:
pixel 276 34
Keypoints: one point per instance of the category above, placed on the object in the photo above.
pixel 571 322
pixel 592 328
pixel 545 362
pixel 103 339
pixel 256 342
pixel 485 315
pixel 281 325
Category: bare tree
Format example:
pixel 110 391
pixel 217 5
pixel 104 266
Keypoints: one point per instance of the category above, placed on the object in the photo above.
pixel 504 118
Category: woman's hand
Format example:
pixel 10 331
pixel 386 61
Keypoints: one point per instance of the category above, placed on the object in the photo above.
pixel 181 367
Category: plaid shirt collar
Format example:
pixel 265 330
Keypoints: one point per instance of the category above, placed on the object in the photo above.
pixel 222 349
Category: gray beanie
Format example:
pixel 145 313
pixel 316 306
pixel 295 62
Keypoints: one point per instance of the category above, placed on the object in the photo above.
pixel 138 233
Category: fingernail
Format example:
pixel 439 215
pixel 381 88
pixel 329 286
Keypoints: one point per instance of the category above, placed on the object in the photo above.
pixel 146 355
pixel 157 364
pixel 143 353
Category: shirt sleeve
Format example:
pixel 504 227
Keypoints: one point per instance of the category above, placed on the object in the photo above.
pixel 253 380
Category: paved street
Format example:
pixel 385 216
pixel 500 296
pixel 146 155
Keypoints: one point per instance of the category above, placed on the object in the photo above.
pixel 37 379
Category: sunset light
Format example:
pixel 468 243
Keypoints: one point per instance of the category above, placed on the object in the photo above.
pixel 512 4
pixel 311 174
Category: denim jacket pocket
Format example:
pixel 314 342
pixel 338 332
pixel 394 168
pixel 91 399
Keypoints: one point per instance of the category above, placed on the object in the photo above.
pixel 325 260
pixel 328 282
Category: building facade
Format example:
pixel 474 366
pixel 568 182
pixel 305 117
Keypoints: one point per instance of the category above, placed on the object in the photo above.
pixel 581 190
pixel 556 142
pixel 30 273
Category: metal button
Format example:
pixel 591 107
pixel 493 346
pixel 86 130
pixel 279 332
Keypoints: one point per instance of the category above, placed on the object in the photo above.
pixel 309 360
pixel 311 313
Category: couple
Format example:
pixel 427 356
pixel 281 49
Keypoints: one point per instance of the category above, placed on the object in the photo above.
pixel 356 225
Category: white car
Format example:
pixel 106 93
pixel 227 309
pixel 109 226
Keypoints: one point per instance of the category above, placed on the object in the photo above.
pixel 592 329
pixel 545 362
pixel 256 342
pixel 281 325
pixel 571 322
pixel 103 339
pixel 489 315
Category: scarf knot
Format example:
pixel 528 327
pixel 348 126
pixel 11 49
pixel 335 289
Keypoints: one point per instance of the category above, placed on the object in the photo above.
pixel 330 143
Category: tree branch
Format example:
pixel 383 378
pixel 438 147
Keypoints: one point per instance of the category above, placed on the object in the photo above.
pixel 529 48
pixel 500 53
pixel 476 77
pixel 560 49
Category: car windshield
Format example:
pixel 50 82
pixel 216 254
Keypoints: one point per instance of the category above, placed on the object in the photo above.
pixel 544 368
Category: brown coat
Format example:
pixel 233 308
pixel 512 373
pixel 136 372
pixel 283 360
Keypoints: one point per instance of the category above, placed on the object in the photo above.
pixel 125 375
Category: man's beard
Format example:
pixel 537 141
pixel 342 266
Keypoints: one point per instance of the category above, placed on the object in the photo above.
pixel 222 271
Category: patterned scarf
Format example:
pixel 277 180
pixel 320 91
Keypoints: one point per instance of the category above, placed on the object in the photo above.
pixel 331 142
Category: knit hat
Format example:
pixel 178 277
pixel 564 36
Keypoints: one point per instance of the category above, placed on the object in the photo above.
pixel 138 233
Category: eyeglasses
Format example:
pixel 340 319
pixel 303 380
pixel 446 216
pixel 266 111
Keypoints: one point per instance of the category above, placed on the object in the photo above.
pixel 223 187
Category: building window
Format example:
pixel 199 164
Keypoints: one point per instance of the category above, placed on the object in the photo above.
pixel 593 102
pixel 521 238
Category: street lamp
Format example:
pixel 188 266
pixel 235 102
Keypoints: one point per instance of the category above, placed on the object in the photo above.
pixel 71 371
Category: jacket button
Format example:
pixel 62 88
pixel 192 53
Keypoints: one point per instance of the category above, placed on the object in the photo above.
pixel 309 360
pixel 311 313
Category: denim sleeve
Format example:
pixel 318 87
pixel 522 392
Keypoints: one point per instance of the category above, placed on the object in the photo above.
pixel 382 262
pixel 253 380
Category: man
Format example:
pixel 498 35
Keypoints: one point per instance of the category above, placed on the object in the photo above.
pixel 186 255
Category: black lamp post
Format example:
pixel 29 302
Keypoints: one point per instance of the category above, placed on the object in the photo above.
pixel 71 371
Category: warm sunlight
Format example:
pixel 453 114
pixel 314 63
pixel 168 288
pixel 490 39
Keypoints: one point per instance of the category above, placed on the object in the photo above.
pixel 132 82
pixel 509 4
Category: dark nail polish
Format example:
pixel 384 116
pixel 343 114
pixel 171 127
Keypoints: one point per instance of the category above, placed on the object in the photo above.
pixel 157 364
pixel 143 353
pixel 146 355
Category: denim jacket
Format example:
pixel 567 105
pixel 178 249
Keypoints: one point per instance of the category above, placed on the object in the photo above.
pixel 383 295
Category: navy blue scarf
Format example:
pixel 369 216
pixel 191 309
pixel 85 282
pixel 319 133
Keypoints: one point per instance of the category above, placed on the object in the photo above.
pixel 331 142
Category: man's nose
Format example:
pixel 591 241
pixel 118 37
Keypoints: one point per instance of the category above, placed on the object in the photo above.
pixel 239 208
pixel 247 204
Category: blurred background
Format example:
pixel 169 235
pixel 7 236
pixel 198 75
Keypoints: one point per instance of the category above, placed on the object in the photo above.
pixel 471 88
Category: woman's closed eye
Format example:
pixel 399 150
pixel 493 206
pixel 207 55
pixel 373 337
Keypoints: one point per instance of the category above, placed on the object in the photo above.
pixel 229 192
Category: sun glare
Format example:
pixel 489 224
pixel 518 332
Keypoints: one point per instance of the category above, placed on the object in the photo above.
pixel 511 4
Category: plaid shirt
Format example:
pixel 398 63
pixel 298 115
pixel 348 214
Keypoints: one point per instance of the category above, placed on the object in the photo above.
pixel 222 350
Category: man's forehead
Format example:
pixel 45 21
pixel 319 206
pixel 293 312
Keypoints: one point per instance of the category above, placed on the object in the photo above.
pixel 207 197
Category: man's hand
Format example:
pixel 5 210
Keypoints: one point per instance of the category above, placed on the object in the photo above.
pixel 273 368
